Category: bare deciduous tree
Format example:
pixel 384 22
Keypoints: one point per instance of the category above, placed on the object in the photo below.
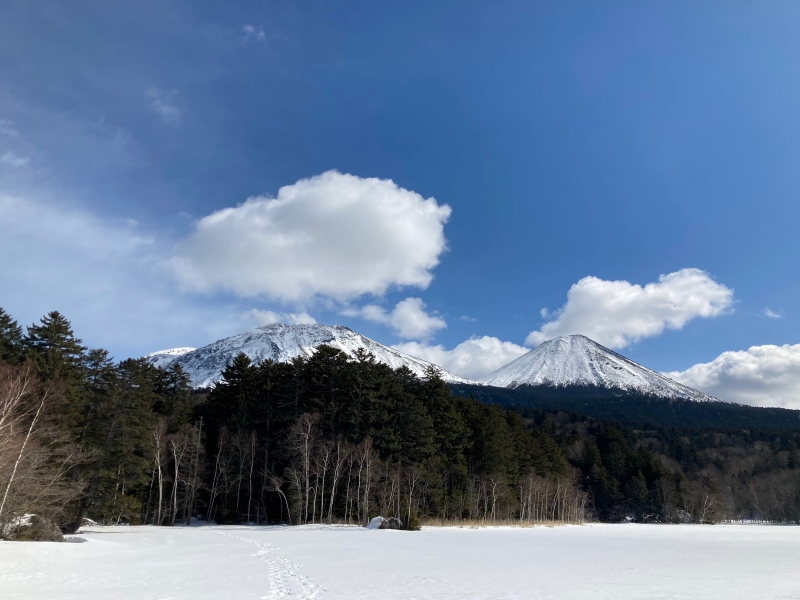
pixel 34 459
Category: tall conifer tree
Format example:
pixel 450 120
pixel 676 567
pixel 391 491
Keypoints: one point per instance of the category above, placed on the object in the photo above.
pixel 11 347
pixel 60 357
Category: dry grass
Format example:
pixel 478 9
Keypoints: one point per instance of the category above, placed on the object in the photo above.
pixel 482 523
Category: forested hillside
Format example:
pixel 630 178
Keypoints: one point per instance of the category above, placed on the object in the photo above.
pixel 332 439
pixel 609 404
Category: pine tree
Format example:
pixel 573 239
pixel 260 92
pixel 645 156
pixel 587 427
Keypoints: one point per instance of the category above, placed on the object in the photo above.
pixel 448 424
pixel 793 459
pixel 54 347
pixel 174 392
pixel 118 435
pixel 414 424
pixel 11 346
pixel 60 357
pixel 229 404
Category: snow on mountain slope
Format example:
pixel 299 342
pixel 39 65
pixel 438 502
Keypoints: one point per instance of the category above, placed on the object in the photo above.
pixel 163 358
pixel 282 343
pixel 575 360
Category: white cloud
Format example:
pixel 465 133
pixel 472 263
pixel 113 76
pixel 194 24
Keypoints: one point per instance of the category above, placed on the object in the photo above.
pixel 268 317
pixel 162 103
pixel 12 160
pixel 335 236
pixel 762 376
pixel 106 277
pixel 251 33
pixel 772 314
pixel 618 313
pixel 474 358
pixel 408 319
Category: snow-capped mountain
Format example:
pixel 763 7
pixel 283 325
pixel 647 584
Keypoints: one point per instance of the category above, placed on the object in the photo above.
pixel 163 358
pixel 575 360
pixel 282 343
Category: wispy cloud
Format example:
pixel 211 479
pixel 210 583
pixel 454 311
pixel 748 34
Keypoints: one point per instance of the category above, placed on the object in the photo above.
pixel 251 33
pixel 162 103
pixel 12 160
pixel 771 314
pixel 106 276
pixel 6 128
pixel 268 317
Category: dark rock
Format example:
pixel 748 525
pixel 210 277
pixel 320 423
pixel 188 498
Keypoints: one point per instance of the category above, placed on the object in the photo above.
pixel 34 528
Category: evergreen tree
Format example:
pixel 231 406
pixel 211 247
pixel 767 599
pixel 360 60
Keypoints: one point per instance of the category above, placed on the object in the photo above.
pixel 60 357
pixel 56 350
pixel 11 343
pixel 793 458
pixel 174 392
pixel 413 423
pixel 227 404
pixel 100 381
pixel 450 431
pixel 119 435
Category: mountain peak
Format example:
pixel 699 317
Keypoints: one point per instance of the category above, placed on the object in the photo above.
pixel 163 358
pixel 576 360
pixel 282 343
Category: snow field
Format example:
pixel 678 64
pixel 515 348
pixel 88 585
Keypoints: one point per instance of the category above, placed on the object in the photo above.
pixel 586 562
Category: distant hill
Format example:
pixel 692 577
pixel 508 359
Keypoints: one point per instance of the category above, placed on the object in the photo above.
pixel 633 408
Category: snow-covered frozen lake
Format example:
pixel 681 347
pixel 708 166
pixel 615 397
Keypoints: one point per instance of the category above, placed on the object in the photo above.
pixel 589 562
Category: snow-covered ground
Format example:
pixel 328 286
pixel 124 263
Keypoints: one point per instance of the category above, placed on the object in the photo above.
pixel 589 562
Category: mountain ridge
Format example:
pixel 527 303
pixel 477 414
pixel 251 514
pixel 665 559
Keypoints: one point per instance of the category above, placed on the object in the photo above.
pixel 282 343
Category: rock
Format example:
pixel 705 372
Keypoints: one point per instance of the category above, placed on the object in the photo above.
pixel 33 528
pixel 393 523
pixel 381 523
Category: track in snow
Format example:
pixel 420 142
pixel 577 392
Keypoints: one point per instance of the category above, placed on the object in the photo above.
pixel 285 578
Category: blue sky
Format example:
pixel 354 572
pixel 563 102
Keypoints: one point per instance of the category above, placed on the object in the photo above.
pixel 619 141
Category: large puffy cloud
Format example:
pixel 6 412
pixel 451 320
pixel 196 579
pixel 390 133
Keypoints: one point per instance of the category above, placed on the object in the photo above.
pixel 336 236
pixel 618 313
pixel 761 376
pixel 408 318
pixel 474 358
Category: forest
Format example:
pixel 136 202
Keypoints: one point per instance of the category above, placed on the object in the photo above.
pixel 333 439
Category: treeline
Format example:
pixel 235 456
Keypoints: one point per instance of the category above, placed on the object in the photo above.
pixel 340 439
pixel 335 439
pixel 319 439
pixel 680 474
pixel 82 436
pixel 611 405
